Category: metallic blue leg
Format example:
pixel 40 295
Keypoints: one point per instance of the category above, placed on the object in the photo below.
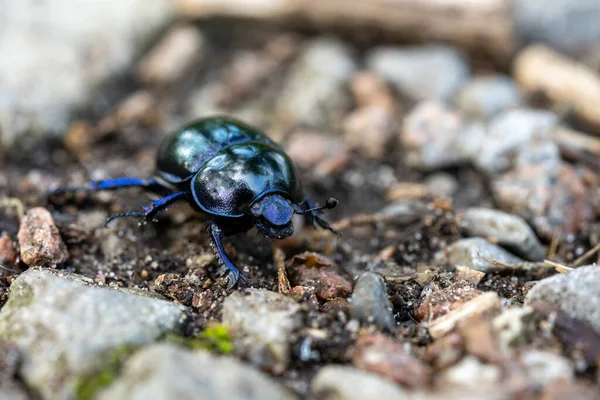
pixel 111 184
pixel 216 235
pixel 315 219
pixel 151 211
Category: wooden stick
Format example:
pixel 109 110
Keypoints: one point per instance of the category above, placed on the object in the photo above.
pixel 483 26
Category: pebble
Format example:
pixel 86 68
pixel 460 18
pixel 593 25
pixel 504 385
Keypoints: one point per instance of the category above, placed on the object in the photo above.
pixel 59 54
pixel 165 371
pixel 542 368
pixel 486 96
pixel 335 382
pixel 439 301
pixel 434 136
pixel 472 253
pixel 488 302
pixel 316 86
pixel 508 133
pixel 323 277
pixel 262 322
pixel 513 326
pixel 471 372
pixel 370 303
pixel 8 253
pixel 175 54
pixel 381 355
pixel 566 25
pixel 577 293
pixel 507 230
pixel 551 198
pixel 324 154
pixel 441 184
pixel 374 118
pixel 64 327
pixel 431 72
pixel 39 239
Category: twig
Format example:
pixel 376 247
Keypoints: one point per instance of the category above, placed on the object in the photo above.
pixel 587 255
pixel 283 283
pixel 13 202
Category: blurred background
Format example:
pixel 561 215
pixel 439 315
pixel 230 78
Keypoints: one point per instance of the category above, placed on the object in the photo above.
pixel 447 129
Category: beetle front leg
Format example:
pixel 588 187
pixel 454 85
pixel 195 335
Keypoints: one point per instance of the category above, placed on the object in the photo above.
pixel 216 236
pixel 151 211
pixel 313 217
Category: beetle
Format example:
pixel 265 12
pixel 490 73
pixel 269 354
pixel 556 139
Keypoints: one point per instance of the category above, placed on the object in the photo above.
pixel 229 171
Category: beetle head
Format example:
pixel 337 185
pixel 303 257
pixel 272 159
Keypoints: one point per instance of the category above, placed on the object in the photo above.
pixel 273 215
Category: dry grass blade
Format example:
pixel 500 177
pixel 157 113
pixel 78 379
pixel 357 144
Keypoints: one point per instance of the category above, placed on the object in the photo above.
pixel 563 269
pixel 7 202
pixel 587 254
pixel 283 283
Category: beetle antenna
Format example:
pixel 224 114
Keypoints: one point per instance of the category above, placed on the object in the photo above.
pixel 329 204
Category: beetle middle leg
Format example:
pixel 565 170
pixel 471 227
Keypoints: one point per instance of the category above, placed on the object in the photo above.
pixel 216 236
pixel 151 211
pixel 112 184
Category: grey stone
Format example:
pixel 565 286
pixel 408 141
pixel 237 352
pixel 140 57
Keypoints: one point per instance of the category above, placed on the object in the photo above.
pixel 570 26
pixel 513 326
pixel 542 368
pixel 64 327
pixel 317 84
pixel 262 322
pixel 369 302
pixel 508 132
pixel 470 372
pixel 434 136
pixel 442 184
pixel 431 72
pixel 508 230
pixel 166 371
pixel 12 392
pixel 473 252
pixel 485 96
pixel 58 52
pixel 577 293
pixel 348 383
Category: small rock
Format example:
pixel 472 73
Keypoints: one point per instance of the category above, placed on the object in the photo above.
pixel 439 301
pixel 39 239
pixel 551 198
pixel 485 96
pixel 165 371
pixel 65 329
pixel 508 133
pixel 543 367
pixel 434 136
pixel 346 383
pixel 470 372
pixel 507 230
pixel 371 130
pixel 480 341
pixel 442 184
pixel 513 326
pixel 488 302
pixel 370 303
pixel 262 322
pixel 174 55
pixel 577 293
pixel 475 253
pixel 382 356
pixel 560 390
pixel 566 25
pixel 60 54
pixel 324 154
pixel 431 72
pixel 316 87
pixel 372 127
pixel 8 253
pixel 314 271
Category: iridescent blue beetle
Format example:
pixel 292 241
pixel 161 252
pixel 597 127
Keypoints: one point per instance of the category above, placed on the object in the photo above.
pixel 231 172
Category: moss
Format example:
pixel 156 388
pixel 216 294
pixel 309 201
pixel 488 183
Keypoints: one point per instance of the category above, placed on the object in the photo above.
pixel 87 386
pixel 215 338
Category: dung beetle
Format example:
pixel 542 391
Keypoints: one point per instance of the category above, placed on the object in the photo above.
pixel 231 172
